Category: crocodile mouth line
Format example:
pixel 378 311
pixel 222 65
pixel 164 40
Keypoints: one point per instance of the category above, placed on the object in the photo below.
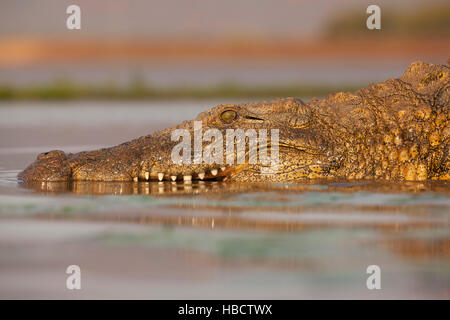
pixel 219 173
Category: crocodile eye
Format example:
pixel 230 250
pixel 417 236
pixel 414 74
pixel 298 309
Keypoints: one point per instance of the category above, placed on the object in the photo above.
pixel 228 115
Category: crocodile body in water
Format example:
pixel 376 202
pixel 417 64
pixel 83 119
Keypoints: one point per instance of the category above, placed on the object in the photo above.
pixel 394 130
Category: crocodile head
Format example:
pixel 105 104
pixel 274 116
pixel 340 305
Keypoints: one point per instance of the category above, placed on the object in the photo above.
pixel 264 141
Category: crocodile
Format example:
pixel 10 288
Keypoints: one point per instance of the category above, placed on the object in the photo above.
pixel 394 130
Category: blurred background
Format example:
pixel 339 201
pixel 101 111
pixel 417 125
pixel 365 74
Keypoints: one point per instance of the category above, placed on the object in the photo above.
pixel 165 49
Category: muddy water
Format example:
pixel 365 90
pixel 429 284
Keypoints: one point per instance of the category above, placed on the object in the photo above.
pixel 204 240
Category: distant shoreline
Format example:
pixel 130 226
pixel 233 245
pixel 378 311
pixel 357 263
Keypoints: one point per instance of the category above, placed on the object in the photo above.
pixel 29 51
pixel 138 91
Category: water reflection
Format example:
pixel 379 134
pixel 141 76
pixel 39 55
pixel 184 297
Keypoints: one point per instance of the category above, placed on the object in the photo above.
pixel 199 187
pixel 277 207
pixel 424 249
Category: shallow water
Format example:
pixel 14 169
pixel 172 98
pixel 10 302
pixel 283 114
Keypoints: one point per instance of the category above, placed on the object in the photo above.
pixel 204 240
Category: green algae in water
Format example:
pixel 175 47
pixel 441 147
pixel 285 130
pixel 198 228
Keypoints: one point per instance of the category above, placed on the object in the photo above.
pixel 226 244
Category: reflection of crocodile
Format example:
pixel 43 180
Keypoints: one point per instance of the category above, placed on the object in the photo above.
pixel 395 130
pixel 213 188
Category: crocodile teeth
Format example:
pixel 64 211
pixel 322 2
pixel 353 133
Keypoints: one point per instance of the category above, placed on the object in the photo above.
pixel 187 178
pixel 214 172
pixel 160 176
pixel 174 178
pixel 135 179
pixel 222 168
pixel 201 175
pixel 147 175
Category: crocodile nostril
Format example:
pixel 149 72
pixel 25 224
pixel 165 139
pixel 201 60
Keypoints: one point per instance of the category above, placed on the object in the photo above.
pixel 46 153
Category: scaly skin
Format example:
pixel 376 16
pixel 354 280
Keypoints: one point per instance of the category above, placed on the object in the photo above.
pixel 395 130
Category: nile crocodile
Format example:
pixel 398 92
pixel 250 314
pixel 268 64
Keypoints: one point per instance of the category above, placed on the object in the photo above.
pixel 394 130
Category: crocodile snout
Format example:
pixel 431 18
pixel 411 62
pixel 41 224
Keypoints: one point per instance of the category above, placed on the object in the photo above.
pixel 48 166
